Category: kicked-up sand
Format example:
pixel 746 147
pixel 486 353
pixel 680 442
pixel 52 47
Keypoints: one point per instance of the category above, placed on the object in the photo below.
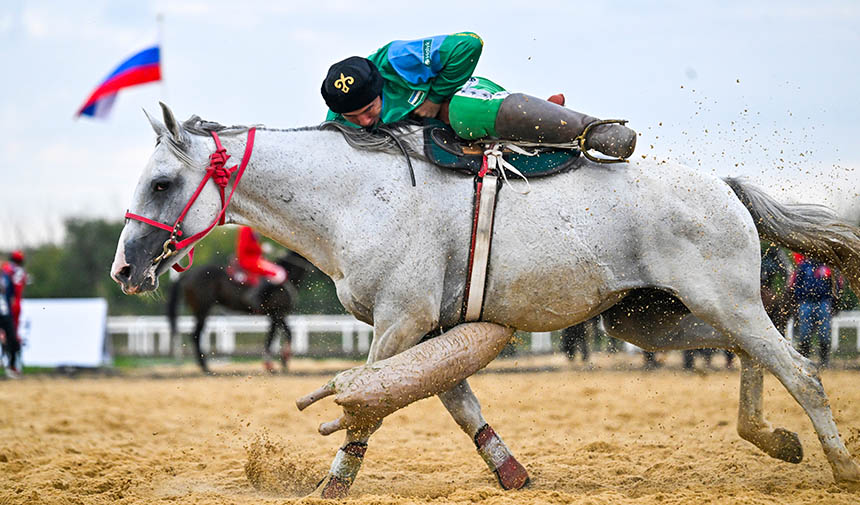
pixel 610 435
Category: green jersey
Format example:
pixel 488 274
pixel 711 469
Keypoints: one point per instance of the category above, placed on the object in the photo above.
pixel 425 69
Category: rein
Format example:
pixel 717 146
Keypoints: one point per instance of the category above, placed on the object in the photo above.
pixel 220 175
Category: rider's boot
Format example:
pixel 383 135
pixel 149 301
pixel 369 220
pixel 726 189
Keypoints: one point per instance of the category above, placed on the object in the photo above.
pixel 531 119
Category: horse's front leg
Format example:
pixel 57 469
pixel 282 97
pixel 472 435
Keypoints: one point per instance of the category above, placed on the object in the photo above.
pixel 390 338
pixel 466 411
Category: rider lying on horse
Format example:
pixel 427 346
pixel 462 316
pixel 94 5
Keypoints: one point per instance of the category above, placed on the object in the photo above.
pixel 432 78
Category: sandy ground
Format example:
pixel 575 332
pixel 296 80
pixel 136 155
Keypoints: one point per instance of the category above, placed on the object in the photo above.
pixel 612 435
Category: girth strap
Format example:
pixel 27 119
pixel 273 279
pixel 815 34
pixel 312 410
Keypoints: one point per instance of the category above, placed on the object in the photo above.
pixel 486 189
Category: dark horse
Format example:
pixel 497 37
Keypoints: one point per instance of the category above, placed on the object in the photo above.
pixel 210 285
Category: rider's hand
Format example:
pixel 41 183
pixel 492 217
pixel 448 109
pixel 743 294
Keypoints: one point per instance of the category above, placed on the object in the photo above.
pixel 427 109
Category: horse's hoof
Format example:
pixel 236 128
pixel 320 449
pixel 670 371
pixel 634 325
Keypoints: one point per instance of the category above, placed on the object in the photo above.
pixel 269 366
pixel 786 446
pixel 847 475
pixel 512 475
pixel 333 488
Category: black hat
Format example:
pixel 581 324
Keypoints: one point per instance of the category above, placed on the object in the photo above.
pixel 351 84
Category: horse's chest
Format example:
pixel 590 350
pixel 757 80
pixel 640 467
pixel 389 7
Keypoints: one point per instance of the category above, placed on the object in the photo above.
pixel 357 305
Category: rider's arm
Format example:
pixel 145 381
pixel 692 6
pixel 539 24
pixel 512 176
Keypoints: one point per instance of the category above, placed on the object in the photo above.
pixel 445 62
pixel 459 53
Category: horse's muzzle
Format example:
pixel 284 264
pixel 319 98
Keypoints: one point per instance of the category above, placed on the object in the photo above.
pixel 134 277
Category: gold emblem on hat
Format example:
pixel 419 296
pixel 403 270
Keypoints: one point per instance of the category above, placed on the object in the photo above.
pixel 343 82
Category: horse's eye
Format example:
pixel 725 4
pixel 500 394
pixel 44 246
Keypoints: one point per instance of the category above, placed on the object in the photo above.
pixel 160 185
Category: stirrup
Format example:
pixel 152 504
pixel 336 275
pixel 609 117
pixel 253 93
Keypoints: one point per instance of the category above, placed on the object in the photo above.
pixel 584 148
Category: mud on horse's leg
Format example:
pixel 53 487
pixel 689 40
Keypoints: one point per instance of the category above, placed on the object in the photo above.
pixel 344 468
pixel 463 406
pixel 778 443
pixel 508 470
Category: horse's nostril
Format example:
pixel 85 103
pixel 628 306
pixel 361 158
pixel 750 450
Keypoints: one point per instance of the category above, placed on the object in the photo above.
pixel 124 273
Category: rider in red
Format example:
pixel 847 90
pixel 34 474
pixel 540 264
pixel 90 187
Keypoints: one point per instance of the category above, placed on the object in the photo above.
pixel 249 253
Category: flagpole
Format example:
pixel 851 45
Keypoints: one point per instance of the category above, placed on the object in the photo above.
pixel 159 18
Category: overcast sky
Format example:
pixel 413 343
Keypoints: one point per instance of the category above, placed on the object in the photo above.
pixel 738 87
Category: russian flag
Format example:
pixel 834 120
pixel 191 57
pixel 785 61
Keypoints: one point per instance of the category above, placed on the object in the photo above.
pixel 140 68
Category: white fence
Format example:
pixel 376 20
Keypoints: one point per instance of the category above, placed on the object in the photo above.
pixel 150 335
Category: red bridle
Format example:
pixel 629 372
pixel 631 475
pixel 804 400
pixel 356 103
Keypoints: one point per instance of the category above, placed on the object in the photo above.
pixel 220 175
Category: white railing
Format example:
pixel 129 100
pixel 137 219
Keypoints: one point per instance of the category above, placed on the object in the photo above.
pixel 150 335
pixel 142 331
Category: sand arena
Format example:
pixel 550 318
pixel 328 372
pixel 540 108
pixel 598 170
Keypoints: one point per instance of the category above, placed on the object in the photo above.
pixel 612 435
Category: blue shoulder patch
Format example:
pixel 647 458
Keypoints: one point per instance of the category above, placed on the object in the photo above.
pixel 416 61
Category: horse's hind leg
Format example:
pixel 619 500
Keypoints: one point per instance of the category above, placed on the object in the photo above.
pixel 752 426
pixel 748 324
pixel 267 345
pixel 466 411
pixel 287 345
pixel 800 377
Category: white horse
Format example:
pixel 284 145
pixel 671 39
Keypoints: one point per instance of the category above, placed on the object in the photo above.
pixel 644 243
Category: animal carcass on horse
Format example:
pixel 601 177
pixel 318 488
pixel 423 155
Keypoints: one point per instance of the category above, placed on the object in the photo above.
pixel 645 244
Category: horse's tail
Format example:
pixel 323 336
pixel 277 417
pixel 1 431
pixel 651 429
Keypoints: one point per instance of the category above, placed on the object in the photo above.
pixel 173 305
pixel 813 230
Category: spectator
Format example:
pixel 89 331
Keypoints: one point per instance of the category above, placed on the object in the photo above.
pixel 14 269
pixel 814 287
pixel 13 278
pixel 573 338
pixel 8 333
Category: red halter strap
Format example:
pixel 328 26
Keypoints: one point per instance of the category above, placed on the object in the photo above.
pixel 220 175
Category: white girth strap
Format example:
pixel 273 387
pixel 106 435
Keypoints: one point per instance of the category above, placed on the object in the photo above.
pixel 481 256
pixel 484 226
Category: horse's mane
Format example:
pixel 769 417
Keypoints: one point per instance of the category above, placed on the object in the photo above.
pixel 385 138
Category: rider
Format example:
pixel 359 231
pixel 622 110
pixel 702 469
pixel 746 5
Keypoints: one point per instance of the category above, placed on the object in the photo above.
pixel 432 78
pixel 249 254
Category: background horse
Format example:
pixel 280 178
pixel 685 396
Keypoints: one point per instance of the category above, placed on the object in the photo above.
pixel 645 244
pixel 211 285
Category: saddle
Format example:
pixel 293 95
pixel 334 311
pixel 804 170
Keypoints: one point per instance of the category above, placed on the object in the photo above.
pixel 444 148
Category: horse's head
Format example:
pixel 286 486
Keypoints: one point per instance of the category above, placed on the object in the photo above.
pixel 167 184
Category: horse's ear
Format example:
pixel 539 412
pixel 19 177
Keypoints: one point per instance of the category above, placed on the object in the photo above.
pixel 173 126
pixel 157 125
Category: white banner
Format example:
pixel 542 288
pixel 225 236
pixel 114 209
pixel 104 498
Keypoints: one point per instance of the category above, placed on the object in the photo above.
pixel 63 331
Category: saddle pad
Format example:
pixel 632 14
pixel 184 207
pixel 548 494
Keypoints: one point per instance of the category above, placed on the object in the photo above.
pixel 444 148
